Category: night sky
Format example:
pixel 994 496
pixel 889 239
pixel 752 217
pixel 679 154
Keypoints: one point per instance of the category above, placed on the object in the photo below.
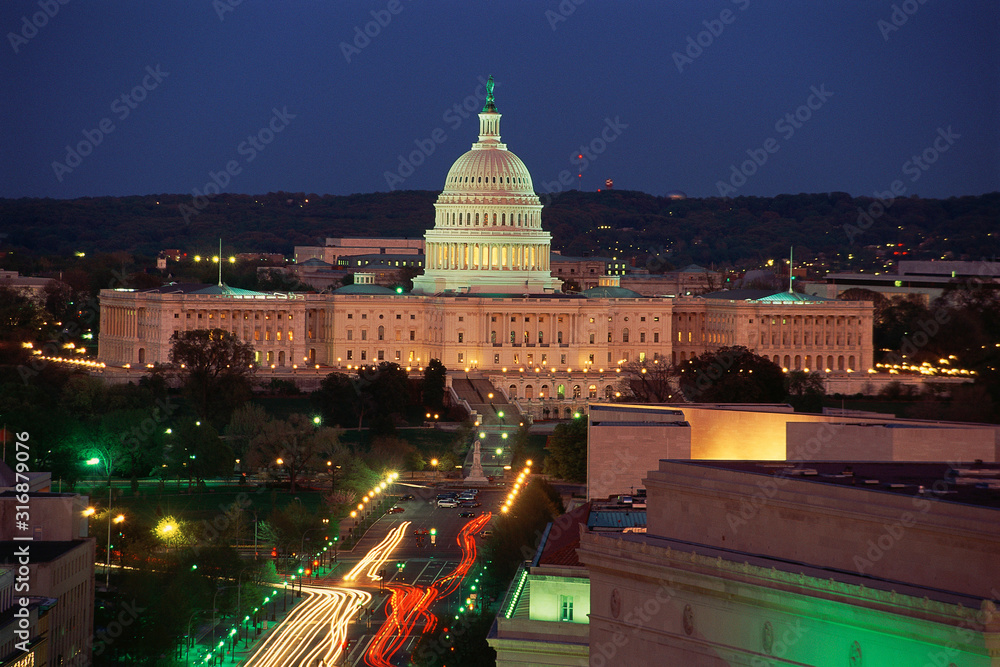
pixel 887 81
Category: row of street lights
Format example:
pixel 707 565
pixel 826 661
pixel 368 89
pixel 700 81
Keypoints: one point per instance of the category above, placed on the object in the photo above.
pixel 518 484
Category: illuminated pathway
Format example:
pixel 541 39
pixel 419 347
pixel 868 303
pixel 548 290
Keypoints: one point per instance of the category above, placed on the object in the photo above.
pixel 408 603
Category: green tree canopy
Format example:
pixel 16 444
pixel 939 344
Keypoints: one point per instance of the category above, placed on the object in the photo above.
pixel 732 375
pixel 567 451
pixel 217 370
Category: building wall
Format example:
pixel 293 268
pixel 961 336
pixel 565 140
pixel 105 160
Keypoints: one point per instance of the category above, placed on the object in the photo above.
pixel 880 442
pixel 495 334
pixel 622 444
pixel 53 517
pixel 69 579
pixel 868 532
pixel 653 605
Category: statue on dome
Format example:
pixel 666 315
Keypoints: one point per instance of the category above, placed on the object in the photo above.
pixel 490 106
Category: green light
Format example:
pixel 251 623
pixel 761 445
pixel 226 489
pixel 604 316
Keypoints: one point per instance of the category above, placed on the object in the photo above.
pixel 500 414
pixel 576 415
pixel 94 461
pixel 434 531
pixel 399 290
pixel 500 449
pixel 317 420
pixel 195 566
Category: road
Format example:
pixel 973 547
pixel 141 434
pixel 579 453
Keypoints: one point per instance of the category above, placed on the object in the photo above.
pixel 359 619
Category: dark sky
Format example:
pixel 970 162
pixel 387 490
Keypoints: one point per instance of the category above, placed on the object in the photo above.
pixel 343 125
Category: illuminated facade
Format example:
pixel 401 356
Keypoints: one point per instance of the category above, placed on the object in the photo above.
pixel 749 563
pixel 487 301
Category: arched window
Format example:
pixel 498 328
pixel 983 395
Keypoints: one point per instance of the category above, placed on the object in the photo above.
pixel 477 219
pixel 607 391
pixel 592 391
pixel 512 391
pixel 798 362
pixel 576 391
pixel 529 392
pixel 561 391
pixel 381 333
pixel 625 335
pixel 543 391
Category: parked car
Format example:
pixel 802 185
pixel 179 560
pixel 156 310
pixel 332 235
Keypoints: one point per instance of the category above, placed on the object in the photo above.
pixel 446 496
pixel 447 502
pixel 486 533
pixel 396 510
pixel 408 496
pixel 470 503
pixel 466 515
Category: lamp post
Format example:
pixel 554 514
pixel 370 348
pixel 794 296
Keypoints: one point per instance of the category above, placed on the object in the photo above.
pixel 188 638
pixel 109 464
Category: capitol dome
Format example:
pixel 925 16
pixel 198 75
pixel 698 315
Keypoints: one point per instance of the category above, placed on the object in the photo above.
pixel 497 171
pixel 487 235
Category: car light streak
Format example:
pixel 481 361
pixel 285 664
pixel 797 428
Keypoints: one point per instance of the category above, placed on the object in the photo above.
pixel 324 615
pixel 408 604
pixel 375 558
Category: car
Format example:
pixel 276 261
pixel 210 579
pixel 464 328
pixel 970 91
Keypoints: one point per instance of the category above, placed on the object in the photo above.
pixel 447 502
pixel 466 515
pixel 486 533
pixel 467 496
pixel 396 510
pixel 407 497
pixel 470 503
pixel 447 496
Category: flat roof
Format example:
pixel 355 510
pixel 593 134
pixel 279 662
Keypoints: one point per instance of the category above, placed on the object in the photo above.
pixel 975 484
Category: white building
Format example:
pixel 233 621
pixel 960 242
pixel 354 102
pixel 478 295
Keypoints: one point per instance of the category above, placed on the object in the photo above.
pixel 487 301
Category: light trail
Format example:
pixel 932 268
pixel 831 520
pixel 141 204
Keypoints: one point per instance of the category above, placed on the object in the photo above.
pixel 324 615
pixel 375 558
pixel 408 603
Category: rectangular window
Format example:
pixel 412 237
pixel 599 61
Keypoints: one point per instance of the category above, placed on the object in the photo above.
pixel 496 358
pixel 177 316
pixel 461 319
pixel 413 317
pixel 289 334
pixel 559 337
pixel 461 357
pixel 566 608
pixel 350 354
pixel 531 359
pixel 591 358
pixel 364 316
pixel 278 334
pixel 562 359
pixel 381 355
pixel 591 339
pixel 413 335
pixel 256 334
pixel 364 355
pixel 642 336
pixel 516 359
pixel 267 335
pixel 399 316
pixel 656 337
pixel 364 334
pixel 461 337
pixel 350 316
pixel 350 334
pixel 545 359
pixel 399 355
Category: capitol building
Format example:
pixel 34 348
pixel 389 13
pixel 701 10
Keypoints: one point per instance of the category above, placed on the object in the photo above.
pixel 487 303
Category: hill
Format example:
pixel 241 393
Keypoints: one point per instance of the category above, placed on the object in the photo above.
pixel 833 229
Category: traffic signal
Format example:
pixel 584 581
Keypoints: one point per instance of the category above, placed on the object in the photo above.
pixel 315 563
pixel 274 553
pixel 308 571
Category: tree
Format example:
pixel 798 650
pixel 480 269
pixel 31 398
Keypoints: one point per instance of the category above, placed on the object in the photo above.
pixel 433 385
pixel 298 443
pixel 648 381
pixel 195 451
pixel 290 526
pixel 338 400
pixel 732 375
pixel 805 391
pixel 386 390
pixel 247 422
pixel 567 451
pixel 216 367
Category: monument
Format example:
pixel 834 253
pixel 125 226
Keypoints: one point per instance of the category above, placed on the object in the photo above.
pixel 476 475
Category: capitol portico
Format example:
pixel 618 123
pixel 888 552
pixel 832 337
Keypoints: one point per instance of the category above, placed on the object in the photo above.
pixel 488 301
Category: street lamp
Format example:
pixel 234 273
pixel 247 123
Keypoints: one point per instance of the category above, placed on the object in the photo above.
pixel 107 567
